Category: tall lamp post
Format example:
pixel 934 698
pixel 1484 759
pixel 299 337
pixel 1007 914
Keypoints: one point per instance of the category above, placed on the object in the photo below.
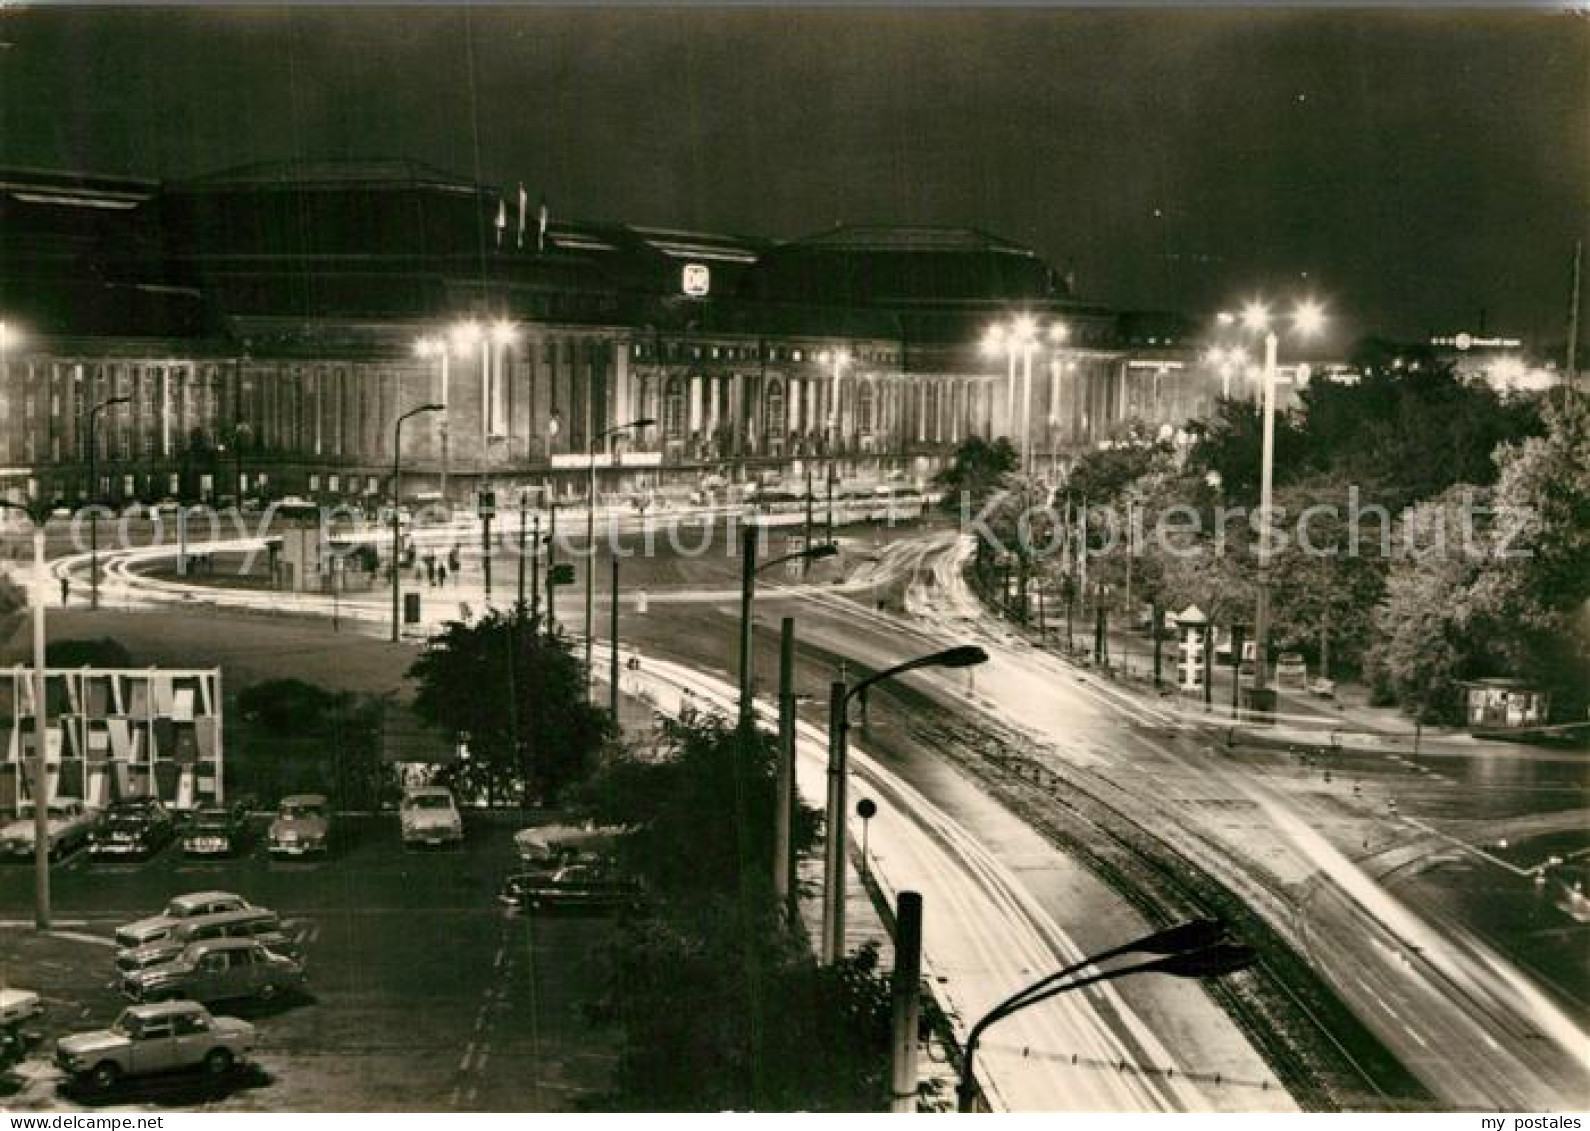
pixel 38 513
pixel 839 697
pixel 458 341
pixel 748 571
pixel 1307 319
pixel 1019 340
pixel 93 495
pixel 590 535
pixel 397 534
pixel 1197 949
pixel 836 360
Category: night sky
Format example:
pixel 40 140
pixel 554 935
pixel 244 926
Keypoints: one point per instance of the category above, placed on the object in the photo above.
pixel 1412 168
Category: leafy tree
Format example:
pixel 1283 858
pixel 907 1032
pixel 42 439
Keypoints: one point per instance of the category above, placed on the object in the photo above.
pixel 299 738
pixel 1232 446
pixel 721 1004
pixel 1430 634
pixel 1325 583
pixel 978 470
pixel 517 697
pixel 1106 476
pixel 698 816
pixel 1538 592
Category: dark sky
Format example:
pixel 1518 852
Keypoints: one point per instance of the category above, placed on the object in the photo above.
pixel 1412 168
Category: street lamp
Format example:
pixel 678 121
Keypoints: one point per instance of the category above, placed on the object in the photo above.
pixel 1020 339
pixel 397 471
pixel 93 495
pixel 38 513
pixel 1307 319
pixel 590 535
pixel 837 360
pixel 1191 950
pixel 839 697
pixel 748 571
pixel 458 341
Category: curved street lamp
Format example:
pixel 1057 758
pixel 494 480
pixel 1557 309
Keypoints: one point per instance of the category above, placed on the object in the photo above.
pixel 1197 949
pixel 38 513
pixel 839 697
pixel 590 536
pixel 748 572
pixel 1307 319
pixel 397 471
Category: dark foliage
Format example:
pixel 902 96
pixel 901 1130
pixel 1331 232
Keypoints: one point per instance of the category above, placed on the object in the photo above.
pixel 518 698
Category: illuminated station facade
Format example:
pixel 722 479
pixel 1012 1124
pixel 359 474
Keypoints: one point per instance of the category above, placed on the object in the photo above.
pixel 269 324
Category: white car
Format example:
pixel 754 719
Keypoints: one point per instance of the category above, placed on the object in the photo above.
pixel 430 816
pixel 193 905
pixel 70 825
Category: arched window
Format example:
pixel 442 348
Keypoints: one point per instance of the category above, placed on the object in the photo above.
pixel 673 415
pixel 866 402
pixel 773 410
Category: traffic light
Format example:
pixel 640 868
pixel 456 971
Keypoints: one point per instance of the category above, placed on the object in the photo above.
pixel 562 574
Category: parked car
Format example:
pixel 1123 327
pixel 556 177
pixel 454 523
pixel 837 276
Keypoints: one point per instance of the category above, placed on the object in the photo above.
pixel 217 970
pixel 183 907
pixel 1291 670
pixel 302 826
pixel 148 1039
pixel 577 887
pixel 430 816
pixel 216 830
pixel 256 924
pixel 134 827
pixel 70 825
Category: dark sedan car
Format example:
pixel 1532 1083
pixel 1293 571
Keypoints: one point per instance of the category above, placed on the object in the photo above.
pixel 133 828
pixel 578 887
pixel 216 830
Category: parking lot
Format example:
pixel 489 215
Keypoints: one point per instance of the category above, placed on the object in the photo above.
pixel 423 992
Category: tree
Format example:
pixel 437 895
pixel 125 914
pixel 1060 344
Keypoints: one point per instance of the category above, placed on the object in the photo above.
pixel 978 470
pixel 1428 636
pixel 516 698
pixel 721 1004
pixel 1538 592
pixel 299 738
pixel 698 816
pixel 1325 583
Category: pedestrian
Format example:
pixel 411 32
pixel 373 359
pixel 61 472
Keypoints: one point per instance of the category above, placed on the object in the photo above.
pixel 430 569
pixel 66 588
pixel 452 559
pixel 441 574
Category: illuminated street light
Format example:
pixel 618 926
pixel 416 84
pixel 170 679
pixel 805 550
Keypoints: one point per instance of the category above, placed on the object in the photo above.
pixel 839 697
pixel 1059 332
pixel 503 333
pixel 1192 950
pixel 1307 319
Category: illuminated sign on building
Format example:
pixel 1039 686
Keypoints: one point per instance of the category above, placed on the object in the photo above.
pixel 696 279
pixel 1467 341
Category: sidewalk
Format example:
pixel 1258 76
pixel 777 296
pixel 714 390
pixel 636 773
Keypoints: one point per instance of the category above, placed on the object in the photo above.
pixel 1344 716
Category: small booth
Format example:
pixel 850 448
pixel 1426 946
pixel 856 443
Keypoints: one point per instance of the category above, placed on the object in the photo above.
pixel 1192 634
pixel 1499 707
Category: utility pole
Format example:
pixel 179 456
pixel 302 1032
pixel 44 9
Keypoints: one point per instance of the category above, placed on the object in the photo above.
pixel 784 815
pixel 906 991
pixel 485 546
pixel 612 659
pixel 834 847
pixel 748 547
pixel 1571 370
pixel 520 588
pixel 41 780
pixel 535 568
pixel 552 561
